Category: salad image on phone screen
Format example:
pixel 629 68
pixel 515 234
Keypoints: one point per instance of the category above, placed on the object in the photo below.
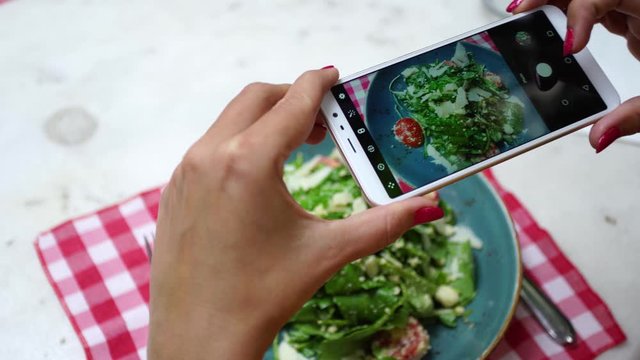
pixel 458 110
pixel 442 111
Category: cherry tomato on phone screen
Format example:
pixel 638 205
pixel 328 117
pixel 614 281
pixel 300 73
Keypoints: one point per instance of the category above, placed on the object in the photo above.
pixel 409 132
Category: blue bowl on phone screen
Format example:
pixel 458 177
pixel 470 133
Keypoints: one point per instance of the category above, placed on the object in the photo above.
pixel 498 268
pixel 381 112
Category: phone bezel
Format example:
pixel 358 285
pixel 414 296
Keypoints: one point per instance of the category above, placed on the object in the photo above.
pixel 364 172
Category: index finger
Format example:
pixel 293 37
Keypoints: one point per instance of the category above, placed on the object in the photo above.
pixel 584 14
pixel 288 124
pixel 527 5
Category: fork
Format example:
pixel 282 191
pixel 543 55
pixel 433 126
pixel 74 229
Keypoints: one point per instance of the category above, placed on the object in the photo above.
pixel 147 245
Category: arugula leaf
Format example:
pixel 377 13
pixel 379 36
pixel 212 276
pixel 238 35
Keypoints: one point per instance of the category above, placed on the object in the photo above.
pixel 460 269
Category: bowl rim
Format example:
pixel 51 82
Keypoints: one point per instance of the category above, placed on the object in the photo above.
pixel 515 297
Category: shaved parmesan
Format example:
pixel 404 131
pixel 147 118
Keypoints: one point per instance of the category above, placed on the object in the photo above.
pixel 437 70
pixel 463 233
pixel 409 71
pixel 307 176
pixel 439 159
pixel 340 200
pixel 460 57
pixel 477 94
pixel 450 87
pixel 287 352
pixel 358 206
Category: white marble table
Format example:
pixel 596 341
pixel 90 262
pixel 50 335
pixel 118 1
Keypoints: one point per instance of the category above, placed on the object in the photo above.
pixel 152 75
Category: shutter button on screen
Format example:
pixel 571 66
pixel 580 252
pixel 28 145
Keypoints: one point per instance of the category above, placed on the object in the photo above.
pixel 545 77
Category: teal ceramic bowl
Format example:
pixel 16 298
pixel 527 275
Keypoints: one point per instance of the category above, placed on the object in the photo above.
pixel 498 269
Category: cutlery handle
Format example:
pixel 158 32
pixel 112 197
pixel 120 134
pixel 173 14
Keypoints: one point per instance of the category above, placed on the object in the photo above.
pixel 549 316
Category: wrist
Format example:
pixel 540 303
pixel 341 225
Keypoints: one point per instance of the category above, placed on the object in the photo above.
pixel 207 337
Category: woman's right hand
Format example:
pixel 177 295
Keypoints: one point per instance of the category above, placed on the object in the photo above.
pixel 620 17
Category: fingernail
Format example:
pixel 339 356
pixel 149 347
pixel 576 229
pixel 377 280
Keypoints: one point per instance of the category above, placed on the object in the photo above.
pixel 607 138
pixel 567 49
pixel 514 4
pixel 427 214
pixel 328 67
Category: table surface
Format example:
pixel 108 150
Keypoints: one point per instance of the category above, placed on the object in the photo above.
pixel 151 77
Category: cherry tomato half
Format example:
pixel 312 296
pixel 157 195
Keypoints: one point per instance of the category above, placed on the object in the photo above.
pixel 409 132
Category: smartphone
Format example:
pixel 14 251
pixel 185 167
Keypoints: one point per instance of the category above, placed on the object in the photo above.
pixel 432 117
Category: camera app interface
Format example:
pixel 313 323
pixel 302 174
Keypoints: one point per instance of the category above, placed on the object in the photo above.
pixel 439 112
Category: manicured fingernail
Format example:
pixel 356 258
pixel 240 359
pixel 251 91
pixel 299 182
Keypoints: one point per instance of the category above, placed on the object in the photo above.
pixel 427 214
pixel 567 49
pixel 328 67
pixel 607 138
pixel 514 4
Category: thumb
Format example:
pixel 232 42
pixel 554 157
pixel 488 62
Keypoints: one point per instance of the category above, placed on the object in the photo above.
pixel 369 231
pixel 624 120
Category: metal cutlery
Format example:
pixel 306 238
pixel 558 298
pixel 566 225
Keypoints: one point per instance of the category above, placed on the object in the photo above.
pixel 147 245
pixel 548 315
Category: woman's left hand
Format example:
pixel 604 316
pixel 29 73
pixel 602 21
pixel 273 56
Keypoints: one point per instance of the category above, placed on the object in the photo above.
pixel 235 257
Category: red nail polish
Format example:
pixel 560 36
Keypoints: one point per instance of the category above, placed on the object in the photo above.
pixel 607 138
pixel 427 214
pixel 567 49
pixel 328 67
pixel 514 4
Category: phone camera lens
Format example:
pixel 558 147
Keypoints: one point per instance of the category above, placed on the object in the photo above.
pixel 335 115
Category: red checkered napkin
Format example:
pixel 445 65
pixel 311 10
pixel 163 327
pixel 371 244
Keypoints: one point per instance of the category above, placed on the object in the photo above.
pixel 546 265
pixel 99 270
pixel 98 267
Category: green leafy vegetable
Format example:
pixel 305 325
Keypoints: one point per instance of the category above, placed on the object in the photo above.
pixel 381 292
pixel 465 111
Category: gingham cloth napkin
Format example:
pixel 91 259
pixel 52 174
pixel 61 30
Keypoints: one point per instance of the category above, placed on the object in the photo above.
pixel 98 268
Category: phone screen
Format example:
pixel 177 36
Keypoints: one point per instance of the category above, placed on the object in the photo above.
pixel 441 111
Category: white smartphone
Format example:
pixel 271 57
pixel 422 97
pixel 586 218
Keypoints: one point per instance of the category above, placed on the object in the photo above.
pixel 427 119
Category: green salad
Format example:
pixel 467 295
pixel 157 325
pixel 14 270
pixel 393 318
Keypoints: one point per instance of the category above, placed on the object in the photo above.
pixel 465 110
pixel 371 307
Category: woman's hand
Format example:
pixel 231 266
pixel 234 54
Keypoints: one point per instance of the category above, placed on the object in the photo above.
pixel 621 17
pixel 235 257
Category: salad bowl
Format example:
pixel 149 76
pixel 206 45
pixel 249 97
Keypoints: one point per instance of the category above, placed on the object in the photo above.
pixel 498 271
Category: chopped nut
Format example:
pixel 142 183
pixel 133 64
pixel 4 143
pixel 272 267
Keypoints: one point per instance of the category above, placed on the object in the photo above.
pixel 371 266
pixel 447 296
